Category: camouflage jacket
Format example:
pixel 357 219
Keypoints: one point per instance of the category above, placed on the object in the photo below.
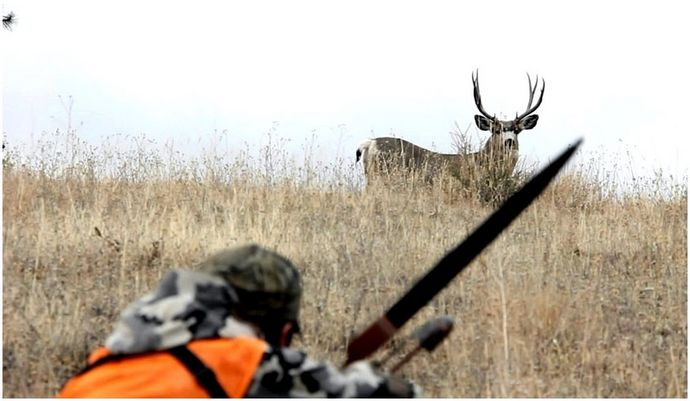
pixel 191 305
pixel 287 372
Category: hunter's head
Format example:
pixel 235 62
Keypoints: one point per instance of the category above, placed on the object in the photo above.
pixel 268 287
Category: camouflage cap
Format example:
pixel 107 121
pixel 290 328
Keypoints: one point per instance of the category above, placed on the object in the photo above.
pixel 267 284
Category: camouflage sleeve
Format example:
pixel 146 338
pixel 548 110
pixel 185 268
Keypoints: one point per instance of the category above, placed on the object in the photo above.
pixel 291 373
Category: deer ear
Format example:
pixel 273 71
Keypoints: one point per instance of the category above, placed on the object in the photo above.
pixel 482 122
pixel 529 122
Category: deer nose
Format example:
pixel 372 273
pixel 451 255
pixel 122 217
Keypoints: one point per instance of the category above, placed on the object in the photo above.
pixel 510 144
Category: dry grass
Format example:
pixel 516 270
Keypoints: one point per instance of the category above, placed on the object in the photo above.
pixel 585 295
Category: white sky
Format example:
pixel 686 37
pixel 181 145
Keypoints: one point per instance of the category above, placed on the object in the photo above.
pixel 616 72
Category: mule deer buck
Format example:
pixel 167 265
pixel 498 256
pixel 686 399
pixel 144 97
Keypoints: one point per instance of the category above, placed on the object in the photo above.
pixel 385 156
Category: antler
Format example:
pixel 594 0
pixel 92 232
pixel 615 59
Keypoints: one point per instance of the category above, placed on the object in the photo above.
pixel 532 90
pixel 478 98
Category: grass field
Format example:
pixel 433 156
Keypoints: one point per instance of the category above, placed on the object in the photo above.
pixel 585 295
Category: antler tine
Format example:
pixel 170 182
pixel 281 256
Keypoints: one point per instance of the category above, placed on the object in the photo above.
pixel 478 97
pixel 532 90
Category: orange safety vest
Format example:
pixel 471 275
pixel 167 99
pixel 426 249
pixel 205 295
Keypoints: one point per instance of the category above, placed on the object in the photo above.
pixel 230 363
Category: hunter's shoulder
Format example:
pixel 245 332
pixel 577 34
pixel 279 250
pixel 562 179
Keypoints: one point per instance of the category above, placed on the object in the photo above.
pixel 290 372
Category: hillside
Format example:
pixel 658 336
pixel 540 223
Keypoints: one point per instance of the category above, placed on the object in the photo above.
pixel 585 295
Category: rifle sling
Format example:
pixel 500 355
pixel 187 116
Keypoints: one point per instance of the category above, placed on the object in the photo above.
pixel 205 376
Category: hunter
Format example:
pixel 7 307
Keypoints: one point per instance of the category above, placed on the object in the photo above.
pixel 222 330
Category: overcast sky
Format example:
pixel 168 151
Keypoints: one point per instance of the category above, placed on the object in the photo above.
pixel 616 72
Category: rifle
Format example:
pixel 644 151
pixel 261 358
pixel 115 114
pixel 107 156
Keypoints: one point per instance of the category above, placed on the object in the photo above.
pixel 428 286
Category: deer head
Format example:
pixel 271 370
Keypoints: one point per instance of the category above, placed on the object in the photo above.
pixel 504 134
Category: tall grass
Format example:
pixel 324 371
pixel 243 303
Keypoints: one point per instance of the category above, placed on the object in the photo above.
pixel 585 295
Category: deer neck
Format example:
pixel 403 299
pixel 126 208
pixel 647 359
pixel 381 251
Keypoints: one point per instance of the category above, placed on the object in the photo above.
pixel 496 154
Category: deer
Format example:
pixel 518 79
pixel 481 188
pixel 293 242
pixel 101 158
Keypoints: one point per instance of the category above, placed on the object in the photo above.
pixel 384 156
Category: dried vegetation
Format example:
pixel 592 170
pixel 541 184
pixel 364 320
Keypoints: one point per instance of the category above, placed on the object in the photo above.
pixel 585 295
